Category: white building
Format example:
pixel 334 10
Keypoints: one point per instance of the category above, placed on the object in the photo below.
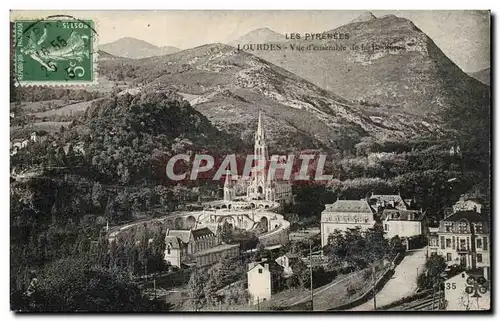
pixel 404 223
pixel 346 214
pixel 264 279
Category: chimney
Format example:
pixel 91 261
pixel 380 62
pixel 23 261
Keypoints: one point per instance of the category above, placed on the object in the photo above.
pixel 266 266
pixel 251 265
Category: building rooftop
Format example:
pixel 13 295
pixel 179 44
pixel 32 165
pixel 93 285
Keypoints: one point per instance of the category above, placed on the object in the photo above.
pixel 402 215
pixel 272 266
pixel 218 248
pixel 395 198
pixel 173 241
pixel 354 206
pixel 183 235
pixel 471 216
pixel 204 231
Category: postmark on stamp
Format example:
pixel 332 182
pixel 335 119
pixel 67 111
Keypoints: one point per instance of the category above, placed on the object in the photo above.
pixel 54 51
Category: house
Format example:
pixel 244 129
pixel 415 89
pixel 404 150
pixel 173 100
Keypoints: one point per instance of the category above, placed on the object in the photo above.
pixel 410 225
pixel 183 243
pixel 174 251
pixel 286 261
pixel 38 136
pixel 468 204
pixel 346 214
pixel 18 144
pixel 196 247
pixel 76 148
pixel 468 291
pixel 264 279
pixel 463 238
pixel 393 201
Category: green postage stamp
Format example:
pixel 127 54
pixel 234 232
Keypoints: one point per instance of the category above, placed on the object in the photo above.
pixel 54 51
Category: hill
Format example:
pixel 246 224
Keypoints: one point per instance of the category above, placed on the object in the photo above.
pixel 483 76
pixel 229 87
pixel 134 48
pixel 396 64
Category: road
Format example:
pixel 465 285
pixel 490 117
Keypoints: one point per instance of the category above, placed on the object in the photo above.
pixel 403 283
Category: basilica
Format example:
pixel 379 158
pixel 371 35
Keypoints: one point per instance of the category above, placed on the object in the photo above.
pixel 260 185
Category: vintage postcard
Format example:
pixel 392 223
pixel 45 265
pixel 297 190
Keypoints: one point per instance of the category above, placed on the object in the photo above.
pixel 175 161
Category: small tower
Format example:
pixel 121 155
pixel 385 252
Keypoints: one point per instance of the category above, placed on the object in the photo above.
pixel 228 188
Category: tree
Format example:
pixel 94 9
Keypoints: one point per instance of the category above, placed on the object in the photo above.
pixel 196 291
pixel 376 244
pixel 434 266
pixel 97 194
pixel 396 245
pixel 226 233
pixel 77 285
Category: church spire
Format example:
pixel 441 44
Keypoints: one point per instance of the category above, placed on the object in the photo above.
pixel 260 129
pixel 228 188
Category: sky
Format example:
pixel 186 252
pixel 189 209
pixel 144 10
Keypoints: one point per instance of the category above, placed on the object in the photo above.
pixel 464 36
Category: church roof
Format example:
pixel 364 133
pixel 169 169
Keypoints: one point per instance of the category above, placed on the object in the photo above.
pixel 354 206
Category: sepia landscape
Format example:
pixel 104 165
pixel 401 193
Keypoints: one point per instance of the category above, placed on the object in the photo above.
pixel 121 197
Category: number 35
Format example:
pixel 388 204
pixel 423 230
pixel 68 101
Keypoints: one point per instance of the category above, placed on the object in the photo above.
pixel 75 71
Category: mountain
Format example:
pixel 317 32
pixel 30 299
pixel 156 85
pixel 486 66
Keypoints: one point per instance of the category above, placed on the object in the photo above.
pixel 395 64
pixel 103 55
pixel 134 48
pixel 366 16
pixel 261 35
pixel 483 76
pixel 229 87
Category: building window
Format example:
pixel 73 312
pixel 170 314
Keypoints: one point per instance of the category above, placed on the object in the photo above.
pixel 479 243
pixel 462 227
pixel 485 243
pixel 260 271
pixel 448 257
pixel 386 227
pixel 479 258
pixel 448 242
pixel 168 251
pixel 448 227
pixel 479 228
pixel 463 246
pixel 441 240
